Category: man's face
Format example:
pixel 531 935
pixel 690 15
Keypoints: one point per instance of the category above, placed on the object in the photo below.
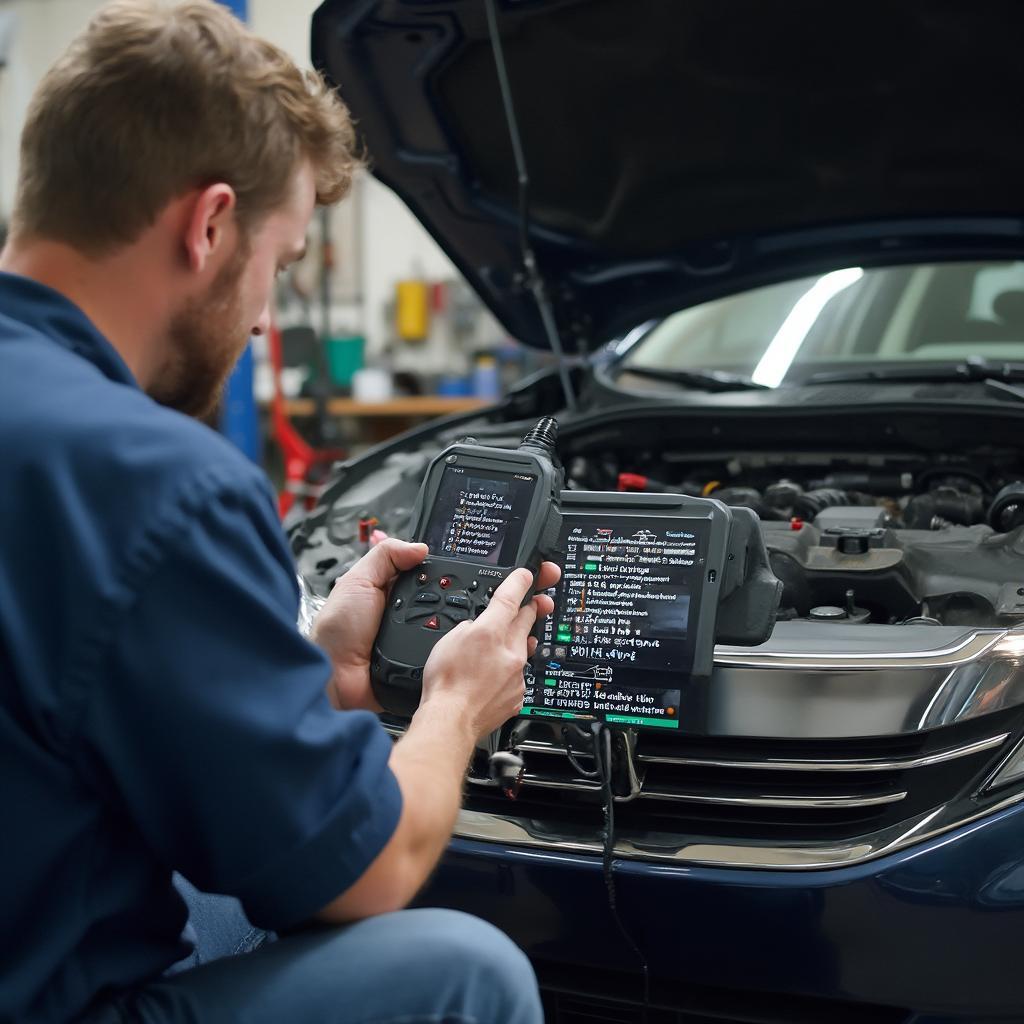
pixel 208 333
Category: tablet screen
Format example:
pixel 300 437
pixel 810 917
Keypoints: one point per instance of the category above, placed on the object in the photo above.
pixel 620 644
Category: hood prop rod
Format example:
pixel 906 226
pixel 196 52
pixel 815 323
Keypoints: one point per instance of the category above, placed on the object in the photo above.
pixel 533 275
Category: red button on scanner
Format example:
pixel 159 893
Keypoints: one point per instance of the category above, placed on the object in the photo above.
pixel 432 623
pixel 444 582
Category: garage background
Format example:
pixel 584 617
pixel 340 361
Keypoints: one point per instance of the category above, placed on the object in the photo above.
pixel 380 297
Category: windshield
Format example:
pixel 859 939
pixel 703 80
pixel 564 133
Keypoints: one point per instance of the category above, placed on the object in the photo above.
pixel 781 334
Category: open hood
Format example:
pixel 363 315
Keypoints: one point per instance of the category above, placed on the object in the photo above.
pixel 681 150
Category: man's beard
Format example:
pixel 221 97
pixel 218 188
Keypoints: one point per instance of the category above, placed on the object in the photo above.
pixel 207 336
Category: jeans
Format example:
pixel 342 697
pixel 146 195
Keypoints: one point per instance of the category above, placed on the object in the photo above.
pixel 410 967
pixel 217 926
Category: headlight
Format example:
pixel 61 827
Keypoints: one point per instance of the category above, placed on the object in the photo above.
pixel 998 682
pixel 1010 770
pixel 992 681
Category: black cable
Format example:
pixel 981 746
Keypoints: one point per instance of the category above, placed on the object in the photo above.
pixel 571 754
pixel 603 759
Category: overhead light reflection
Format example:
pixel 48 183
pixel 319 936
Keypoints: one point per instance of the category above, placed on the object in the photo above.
pixel 779 355
pixel 624 344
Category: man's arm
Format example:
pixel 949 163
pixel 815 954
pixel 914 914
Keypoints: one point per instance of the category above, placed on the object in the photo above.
pixel 430 764
pixel 472 683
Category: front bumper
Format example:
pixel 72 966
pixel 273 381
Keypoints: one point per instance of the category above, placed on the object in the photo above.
pixel 927 934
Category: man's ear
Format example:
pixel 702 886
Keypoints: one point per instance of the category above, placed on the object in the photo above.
pixel 211 214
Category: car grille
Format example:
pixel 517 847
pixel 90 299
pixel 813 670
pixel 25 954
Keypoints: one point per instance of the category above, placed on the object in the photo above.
pixel 748 789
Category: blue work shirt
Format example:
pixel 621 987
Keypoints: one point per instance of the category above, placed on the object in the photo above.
pixel 159 710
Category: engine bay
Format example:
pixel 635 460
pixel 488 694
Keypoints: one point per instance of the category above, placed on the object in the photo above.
pixel 888 537
pixel 861 537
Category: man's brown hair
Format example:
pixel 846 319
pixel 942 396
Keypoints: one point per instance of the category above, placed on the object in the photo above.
pixel 154 99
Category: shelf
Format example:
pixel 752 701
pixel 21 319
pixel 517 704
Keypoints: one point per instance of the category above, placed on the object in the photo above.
pixel 418 405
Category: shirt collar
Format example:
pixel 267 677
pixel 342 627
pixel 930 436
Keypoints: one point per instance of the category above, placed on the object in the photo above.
pixel 57 318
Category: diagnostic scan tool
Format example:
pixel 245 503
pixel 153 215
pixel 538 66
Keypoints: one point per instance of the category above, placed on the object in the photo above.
pixel 483 512
pixel 650 582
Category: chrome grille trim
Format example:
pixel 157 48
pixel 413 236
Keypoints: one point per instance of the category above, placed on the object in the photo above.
pixel 801 802
pixel 582 785
pixel 836 765
pixel 589 785
pixel 521 832
pixel 809 802
pixel 968 649
pixel 809 765
pixel 537 747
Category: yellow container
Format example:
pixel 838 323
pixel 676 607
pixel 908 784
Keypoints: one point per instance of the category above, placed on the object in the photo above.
pixel 412 310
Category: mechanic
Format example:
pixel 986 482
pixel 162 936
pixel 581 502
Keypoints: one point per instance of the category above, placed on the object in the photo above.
pixel 159 710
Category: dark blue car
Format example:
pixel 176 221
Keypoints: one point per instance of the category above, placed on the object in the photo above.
pixel 778 250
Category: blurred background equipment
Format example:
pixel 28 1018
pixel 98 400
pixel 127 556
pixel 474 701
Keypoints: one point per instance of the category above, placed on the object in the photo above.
pixel 306 463
pixel 412 310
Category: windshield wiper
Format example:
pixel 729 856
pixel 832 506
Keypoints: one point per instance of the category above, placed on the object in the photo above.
pixel 971 369
pixel 708 380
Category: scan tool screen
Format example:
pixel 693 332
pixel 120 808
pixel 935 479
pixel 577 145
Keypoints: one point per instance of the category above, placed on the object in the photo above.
pixel 479 515
pixel 619 646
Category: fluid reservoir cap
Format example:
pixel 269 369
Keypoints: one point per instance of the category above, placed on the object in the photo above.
pixel 826 612
pixel 853 544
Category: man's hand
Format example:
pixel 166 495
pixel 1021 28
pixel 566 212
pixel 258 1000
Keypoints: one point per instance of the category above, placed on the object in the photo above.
pixel 476 670
pixel 349 620
pixel 472 683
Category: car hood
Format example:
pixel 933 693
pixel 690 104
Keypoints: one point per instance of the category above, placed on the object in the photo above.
pixel 680 151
